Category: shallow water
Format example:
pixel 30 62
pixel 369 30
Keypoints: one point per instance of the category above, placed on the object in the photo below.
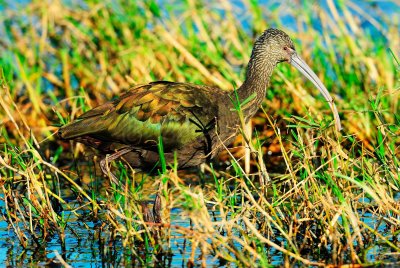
pixel 88 245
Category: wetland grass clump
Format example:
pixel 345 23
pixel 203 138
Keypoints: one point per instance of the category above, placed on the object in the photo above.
pixel 329 198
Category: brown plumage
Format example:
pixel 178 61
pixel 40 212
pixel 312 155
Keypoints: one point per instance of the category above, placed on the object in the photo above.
pixel 191 119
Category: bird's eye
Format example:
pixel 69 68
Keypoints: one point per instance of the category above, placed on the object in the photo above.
pixel 285 48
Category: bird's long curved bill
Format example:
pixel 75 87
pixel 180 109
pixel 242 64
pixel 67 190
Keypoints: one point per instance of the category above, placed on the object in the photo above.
pixel 300 65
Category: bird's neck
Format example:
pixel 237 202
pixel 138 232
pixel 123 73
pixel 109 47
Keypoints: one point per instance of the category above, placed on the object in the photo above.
pixel 253 89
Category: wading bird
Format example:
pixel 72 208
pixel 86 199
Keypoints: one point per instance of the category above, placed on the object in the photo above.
pixel 192 121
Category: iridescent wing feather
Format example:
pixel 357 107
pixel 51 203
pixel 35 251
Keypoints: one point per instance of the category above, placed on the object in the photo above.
pixel 176 111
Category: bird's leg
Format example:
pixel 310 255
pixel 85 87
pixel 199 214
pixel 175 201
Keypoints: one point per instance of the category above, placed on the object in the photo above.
pixel 109 158
pixel 157 207
pixel 153 215
pixel 146 212
pixel 247 150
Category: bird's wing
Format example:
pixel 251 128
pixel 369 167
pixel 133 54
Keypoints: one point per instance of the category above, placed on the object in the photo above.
pixel 175 111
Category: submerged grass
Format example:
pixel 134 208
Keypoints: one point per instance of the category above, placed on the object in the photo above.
pixel 313 197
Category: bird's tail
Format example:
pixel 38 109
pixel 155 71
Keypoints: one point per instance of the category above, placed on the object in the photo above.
pixel 81 128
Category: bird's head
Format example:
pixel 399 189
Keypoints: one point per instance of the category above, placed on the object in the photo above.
pixel 274 46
